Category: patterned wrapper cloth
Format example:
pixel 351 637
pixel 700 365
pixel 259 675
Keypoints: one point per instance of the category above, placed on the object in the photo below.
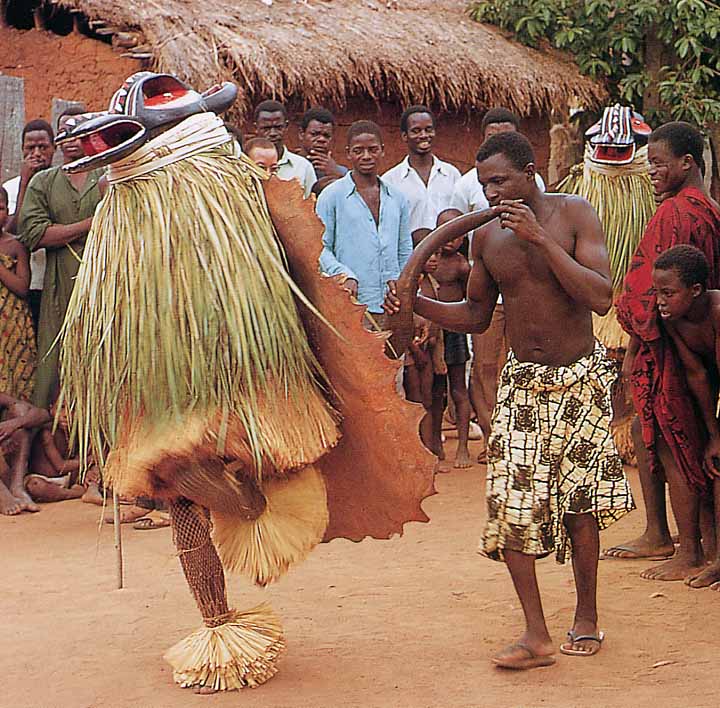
pixel 551 453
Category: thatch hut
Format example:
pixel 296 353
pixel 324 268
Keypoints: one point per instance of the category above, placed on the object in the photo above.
pixel 361 58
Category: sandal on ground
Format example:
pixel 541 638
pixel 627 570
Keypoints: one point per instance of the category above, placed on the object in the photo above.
pixel 531 661
pixel 147 523
pixel 567 648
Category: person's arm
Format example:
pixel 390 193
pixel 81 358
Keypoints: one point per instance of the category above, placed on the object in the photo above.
pixel 309 178
pixel 17 282
pixel 705 395
pixel 329 264
pixel 36 230
pixel 584 277
pixel 50 448
pixel 30 166
pixel 475 312
pixel 23 415
pixel 405 241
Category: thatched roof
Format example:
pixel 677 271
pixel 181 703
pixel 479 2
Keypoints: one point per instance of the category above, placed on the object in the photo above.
pixel 326 51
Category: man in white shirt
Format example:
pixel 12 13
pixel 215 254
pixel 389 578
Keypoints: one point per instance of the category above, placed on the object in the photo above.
pixel 38 149
pixel 426 181
pixel 271 122
pixel 490 348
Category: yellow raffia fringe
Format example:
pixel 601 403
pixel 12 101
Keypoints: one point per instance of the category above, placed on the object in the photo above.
pixel 292 524
pixel 624 202
pixel 183 321
pixel 242 652
pixel 608 330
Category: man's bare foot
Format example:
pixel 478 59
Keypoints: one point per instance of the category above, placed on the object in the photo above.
pixel 643 547
pixel 92 495
pixel 25 501
pixel 9 505
pixel 527 653
pixel 706 577
pixel 462 459
pixel 129 515
pixel 677 568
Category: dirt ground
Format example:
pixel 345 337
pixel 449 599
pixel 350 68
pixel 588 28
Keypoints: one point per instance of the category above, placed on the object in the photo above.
pixel 410 622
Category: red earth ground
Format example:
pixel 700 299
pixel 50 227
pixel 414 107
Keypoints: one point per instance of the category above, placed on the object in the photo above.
pixel 407 623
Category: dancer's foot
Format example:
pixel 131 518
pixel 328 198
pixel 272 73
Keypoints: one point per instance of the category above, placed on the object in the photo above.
pixel 643 547
pixel 9 505
pixel 527 653
pixel 706 577
pixel 204 690
pixel 92 495
pixel 129 515
pixel 677 568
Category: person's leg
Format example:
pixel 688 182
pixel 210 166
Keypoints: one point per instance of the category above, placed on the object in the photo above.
pixel 19 468
pixel 536 639
pixel 459 394
pixel 45 491
pixel 686 507
pixel 439 387
pixel 585 537
pixel 710 576
pixel 9 506
pixel 655 541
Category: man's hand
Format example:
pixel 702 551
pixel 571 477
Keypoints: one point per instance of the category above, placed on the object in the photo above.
pixel 351 285
pixel 29 166
pixel 391 305
pixel 323 162
pixel 712 456
pixel 520 218
pixel 422 331
pixel 8 428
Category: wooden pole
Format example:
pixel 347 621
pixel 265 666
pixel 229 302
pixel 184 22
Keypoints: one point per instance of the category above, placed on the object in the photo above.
pixel 118 539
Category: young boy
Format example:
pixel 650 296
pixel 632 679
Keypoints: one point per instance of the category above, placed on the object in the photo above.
pixel 425 368
pixel 367 233
pixel 691 315
pixel 263 153
pixel 452 274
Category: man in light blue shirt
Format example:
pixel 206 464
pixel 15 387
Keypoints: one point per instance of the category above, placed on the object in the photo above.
pixel 367 222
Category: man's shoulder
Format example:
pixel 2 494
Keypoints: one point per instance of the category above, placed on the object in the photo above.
pixel 450 169
pixel 335 189
pixel 296 159
pixel 469 179
pixel 395 172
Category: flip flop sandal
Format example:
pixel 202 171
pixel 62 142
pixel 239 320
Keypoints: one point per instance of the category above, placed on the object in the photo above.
pixel 147 523
pixel 569 651
pixel 532 661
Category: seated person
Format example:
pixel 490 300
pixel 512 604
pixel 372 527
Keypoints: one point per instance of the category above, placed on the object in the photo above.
pixel 16 433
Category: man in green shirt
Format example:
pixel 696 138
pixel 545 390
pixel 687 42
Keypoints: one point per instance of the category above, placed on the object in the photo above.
pixel 56 215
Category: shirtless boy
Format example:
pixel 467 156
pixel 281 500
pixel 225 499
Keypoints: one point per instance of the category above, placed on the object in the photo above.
pixel 691 315
pixel 552 466
pixel 452 275
pixel 425 369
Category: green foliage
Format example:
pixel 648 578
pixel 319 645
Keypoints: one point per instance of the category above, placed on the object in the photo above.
pixel 608 40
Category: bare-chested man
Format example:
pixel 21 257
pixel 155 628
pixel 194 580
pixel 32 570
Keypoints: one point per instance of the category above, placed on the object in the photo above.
pixel 552 466
pixel 690 313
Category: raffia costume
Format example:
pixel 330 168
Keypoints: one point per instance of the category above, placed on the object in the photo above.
pixel 614 178
pixel 252 400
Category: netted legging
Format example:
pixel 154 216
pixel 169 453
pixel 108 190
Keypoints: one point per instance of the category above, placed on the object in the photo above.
pixel 199 559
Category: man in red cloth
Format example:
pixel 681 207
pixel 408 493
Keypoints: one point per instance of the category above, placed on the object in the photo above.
pixel 672 430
